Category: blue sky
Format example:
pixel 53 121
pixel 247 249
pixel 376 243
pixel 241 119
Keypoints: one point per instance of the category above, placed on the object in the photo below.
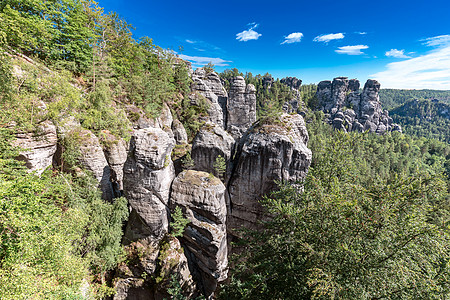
pixel 403 44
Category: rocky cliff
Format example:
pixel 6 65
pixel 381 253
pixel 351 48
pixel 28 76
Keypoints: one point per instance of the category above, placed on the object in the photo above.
pixel 351 110
pixel 255 156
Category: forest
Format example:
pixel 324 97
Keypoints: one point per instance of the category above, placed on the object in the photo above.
pixel 371 222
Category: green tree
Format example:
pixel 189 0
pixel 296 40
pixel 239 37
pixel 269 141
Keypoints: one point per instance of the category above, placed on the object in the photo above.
pixel 220 166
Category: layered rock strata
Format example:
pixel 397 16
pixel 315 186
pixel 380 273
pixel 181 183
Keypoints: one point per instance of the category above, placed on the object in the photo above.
pixel 241 107
pixel 202 199
pixel 351 110
pixel 148 175
pixel 270 153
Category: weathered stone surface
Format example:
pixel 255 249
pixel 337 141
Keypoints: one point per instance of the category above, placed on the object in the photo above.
pixel 210 142
pixel 39 147
pixel 292 82
pixel 271 153
pixel 148 174
pixel 341 94
pixel 241 106
pixel 116 151
pixel 179 133
pixel 93 160
pixel 209 86
pixel 202 199
pixel 147 260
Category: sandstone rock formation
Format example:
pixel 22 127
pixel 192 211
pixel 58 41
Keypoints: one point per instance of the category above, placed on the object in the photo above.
pixel 202 199
pixel 351 110
pixel 38 147
pixel 93 160
pixel 209 86
pixel 116 152
pixel 292 82
pixel 210 142
pixel 241 107
pixel 179 133
pixel 148 174
pixel 150 261
pixel 270 153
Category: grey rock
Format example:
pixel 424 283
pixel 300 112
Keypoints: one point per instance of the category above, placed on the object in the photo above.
pixel 292 82
pixel 210 87
pixel 38 147
pixel 339 90
pixel 93 160
pixel 202 199
pixel 353 85
pixel 179 133
pixel 241 106
pixel 148 175
pixel 116 153
pixel 210 142
pixel 268 154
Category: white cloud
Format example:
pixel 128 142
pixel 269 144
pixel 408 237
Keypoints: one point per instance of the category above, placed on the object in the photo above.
pixel 294 37
pixel 361 32
pixel 249 34
pixel 201 61
pixel 440 40
pixel 429 71
pixel 396 53
pixel 352 50
pixel 190 42
pixel 329 37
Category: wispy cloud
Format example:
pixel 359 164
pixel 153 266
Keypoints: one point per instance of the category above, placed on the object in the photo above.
pixel 361 32
pixel 190 41
pixel 429 71
pixel 249 34
pixel 201 60
pixel 437 41
pixel 294 37
pixel 352 50
pixel 329 37
pixel 396 53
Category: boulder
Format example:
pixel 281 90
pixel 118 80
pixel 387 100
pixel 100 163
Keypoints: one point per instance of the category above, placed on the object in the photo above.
pixel 116 152
pixel 148 175
pixel 202 199
pixel 241 107
pixel 38 147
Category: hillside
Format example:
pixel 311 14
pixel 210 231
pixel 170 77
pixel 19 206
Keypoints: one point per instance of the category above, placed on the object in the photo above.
pixel 392 98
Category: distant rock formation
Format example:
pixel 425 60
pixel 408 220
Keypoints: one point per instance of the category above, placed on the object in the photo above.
pixel 241 107
pixel 351 110
pixel 209 86
pixel 295 105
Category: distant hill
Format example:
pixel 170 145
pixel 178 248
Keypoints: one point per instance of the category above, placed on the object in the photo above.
pixel 392 98
pixel 427 118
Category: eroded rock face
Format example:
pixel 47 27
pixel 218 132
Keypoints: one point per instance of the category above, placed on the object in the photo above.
pixel 179 133
pixel 350 110
pixel 149 260
pixel 210 142
pixel 93 160
pixel 116 152
pixel 292 82
pixel 241 107
pixel 270 153
pixel 39 147
pixel 148 174
pixel 202 199
pixel 209 86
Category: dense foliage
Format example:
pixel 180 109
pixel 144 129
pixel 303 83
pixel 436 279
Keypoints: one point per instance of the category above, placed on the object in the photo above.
pixel 427 118
pixel 392 98
pixel 57 234
pixel 371 223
